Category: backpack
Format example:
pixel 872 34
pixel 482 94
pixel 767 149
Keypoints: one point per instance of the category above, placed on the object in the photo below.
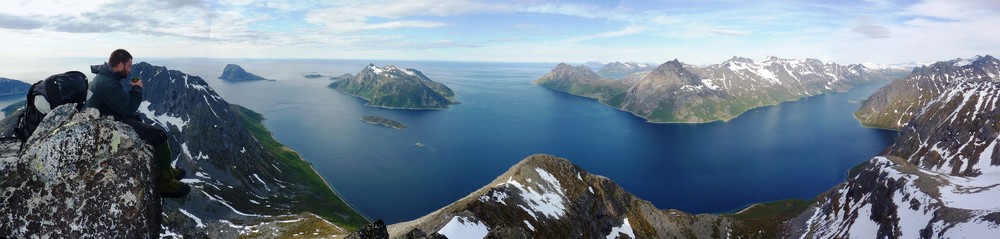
pixel 59 89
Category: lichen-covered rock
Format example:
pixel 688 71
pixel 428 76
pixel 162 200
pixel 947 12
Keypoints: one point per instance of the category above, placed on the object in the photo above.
pixel 79 175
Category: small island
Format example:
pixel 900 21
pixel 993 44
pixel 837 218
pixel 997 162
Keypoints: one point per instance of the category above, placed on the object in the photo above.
pixel 312 76
pixel 236 73
pixel 379 120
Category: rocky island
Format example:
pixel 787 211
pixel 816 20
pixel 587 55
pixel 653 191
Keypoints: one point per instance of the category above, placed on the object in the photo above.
pixel 236 73
pixel 379 120
pixel 395 88
pixel 312 76
pixel 675 92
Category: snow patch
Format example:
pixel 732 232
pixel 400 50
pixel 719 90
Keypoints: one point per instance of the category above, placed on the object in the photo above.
pixel 163 119
pixel 197 220
pixel 625 228
pixel 463 227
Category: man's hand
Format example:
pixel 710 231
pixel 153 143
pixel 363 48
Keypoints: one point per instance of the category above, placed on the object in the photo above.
pixel 137 82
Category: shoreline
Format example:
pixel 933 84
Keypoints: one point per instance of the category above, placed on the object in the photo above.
pixel 368 103
pixel 325 181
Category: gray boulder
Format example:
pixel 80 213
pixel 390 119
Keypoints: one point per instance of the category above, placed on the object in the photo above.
pixel 79 176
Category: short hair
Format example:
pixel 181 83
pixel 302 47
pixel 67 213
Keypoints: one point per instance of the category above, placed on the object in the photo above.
pixel 119 56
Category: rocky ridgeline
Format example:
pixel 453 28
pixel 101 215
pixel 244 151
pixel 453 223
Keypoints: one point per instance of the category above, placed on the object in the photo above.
pixel 80 176
pixel 677 92
pixel 893 106
pixel 937 180
pixel 395 88
pixel 548 197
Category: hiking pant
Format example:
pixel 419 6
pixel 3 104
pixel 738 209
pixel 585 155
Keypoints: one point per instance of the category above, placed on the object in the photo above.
pixel 153 136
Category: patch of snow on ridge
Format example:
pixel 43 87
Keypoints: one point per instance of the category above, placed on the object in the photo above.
pixel 163 119
pixel 625 228
pixel 546 198
pixel 197 220
pixel 463 227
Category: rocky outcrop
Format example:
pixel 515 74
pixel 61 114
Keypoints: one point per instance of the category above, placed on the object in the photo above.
pixel 236 73
pixel 13 87
pixel 679 93
pixel 548 197
pixel 892 106
pixel 80 176
pixel 938 180
pixel 395 88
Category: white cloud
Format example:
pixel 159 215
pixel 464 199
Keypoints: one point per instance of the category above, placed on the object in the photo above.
pixel 727 32
pixel 356 17
pixel 630 30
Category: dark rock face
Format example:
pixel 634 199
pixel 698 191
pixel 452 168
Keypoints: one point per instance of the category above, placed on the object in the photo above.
pixel 13 87
pixel 235 73
pixel 675 92
pixel 894 105
pixel 375 230
pixel 395 88
pixel 548 197
pixel 237 183
pixel 80 176
pixel 937 180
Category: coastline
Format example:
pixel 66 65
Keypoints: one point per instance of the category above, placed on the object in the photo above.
pixel 368 103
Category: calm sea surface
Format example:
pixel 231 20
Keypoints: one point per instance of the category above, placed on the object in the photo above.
pixel 792 150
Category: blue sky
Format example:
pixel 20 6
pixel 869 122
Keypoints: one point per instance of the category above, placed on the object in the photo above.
pixel 697 32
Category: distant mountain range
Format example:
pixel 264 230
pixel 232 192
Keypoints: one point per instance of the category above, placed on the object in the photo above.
pixel 617 70
pixel 938 180
pixel 395 88
pixel 236 73
pixel 679 93
pixel 893 106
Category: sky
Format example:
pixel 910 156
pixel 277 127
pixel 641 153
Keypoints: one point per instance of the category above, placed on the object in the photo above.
pixel 695 32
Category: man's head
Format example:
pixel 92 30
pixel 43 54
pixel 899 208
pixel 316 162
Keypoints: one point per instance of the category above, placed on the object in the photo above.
pixel 120 62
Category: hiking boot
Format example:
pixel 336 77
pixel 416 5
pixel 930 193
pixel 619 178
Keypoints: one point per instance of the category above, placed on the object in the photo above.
pixel 178 173
pixel 179 193
pixel 171 187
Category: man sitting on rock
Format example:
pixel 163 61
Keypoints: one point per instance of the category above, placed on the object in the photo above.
pixel 115 96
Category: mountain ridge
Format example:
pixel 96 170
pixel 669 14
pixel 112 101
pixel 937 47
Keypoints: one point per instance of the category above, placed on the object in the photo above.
pixel 675 92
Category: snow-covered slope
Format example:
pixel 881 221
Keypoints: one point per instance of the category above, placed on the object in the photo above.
pixel 894 105
pixel 939 180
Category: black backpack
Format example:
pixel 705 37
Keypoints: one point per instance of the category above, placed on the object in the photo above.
pixel 60 89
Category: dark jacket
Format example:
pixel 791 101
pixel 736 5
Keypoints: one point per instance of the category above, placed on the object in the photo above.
pixel 113 95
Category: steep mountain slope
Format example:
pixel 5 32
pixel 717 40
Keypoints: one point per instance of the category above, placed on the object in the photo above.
pixel 939 179
pixel 580 80
pixel 236 73
pixel 395 88
pixel 241 176
pixel 676 92
pixel 892 106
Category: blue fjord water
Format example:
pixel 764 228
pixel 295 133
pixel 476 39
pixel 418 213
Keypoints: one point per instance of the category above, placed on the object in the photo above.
pixel 792 150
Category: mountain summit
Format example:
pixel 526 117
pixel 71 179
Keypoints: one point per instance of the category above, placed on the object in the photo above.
pixel 395 88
